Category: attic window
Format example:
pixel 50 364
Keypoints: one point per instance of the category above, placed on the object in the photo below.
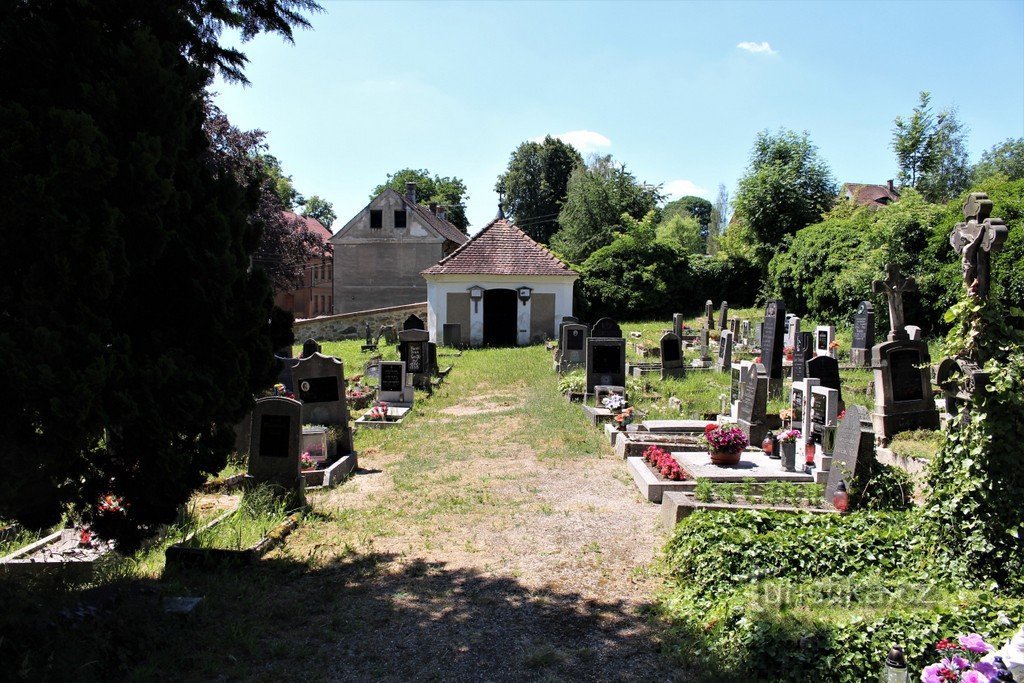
pixel 400 219
pixel 376 218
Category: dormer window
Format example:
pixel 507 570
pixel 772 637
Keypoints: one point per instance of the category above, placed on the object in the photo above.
pixel 400 219
pixel 376 218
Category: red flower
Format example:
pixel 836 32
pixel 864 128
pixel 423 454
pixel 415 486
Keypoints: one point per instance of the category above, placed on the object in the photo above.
pixel 710 428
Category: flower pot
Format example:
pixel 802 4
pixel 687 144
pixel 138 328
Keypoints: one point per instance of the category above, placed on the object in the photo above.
pixel 788 456
pixel 723 458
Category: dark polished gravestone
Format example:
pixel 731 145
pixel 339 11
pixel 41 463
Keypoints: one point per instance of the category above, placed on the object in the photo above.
pixel 677 324
pixel 572 347
pixel 413 348
pixel 803 351
pixel 772 339
pixel 309 347
pixel 854 448
pixel 863 334
pixel 724 361
pixel 413 322
pixel 451 335
pixel 605 362
pixel 606 328
pixel 275 439
pixel 394 386
pixel 320 381
pixel 902 368
pixel 709 314
pixel 723 316
pixel 672 364
pixel 825 369
pixel 753 405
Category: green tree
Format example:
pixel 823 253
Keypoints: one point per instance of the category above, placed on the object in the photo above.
pixel 698 207
pixel 931 152
pixel 449 192
pixel 1006 158
pixel 683 232
pixel 281 182
pixel 107 332
pixel 719 219
pixel 787 186
pixel 598 195
pixel 320 209
pixel 535 183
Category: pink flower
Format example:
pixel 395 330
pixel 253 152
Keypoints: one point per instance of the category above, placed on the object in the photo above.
pixel 973 677
pixel 973 642
pixel 936 673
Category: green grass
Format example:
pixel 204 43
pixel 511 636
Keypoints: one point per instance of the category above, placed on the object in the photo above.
pixel 260 511
pixel 919 443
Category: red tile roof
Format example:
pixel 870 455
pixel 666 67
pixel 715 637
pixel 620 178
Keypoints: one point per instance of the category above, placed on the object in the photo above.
pixel 869 195
pixel 500 248
pixel 312 224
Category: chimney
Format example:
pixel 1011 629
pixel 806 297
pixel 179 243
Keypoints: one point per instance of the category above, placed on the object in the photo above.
pixel 892 190
pixel 440 213
pixel 410 191
pixel 433 208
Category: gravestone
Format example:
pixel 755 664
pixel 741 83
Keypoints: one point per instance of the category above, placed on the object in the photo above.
pixel 800 403
pixel 734 327
pixel 672 356
pixel 745 332
pixel 740 372
pixel 394 385
pixel 801 352
pixel 320 384
pixel 413 322
pixel 572 347
pixel 824 335
pixel 605 362
pixel 914 332
pixel 724 361
pixel 824 409
pixel 759 334
pixel 413 348
pixel 677 324
pixel 753 405
pixel 975 240
pixel 863 334
pixel 825 369
pixel 903 388
pixel 285 365
pixel 451 335
pixel 309 347
pixel 792 331
pixel 709 314
pixel 705 358
pixel 854 448
pixel 771 342
pixel 723 315
pixel 432 367
pixel 275 441
pixel 606 328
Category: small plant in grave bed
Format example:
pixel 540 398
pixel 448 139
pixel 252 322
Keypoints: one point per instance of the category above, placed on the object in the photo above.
pixel 260 511
pixel 747 487
pixel 573 383
pixel 704 491
pixel 727 493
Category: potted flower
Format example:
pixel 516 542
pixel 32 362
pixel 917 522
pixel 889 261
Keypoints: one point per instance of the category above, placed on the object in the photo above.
pixel 306 462
pixel 725 443
pixel 788 350
pixel 624 419
pixel 662 462
pixel 787 443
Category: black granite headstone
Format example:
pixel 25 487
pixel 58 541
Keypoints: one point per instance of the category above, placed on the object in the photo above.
pixel 413 322
pixel 671 351
pixel 826 370
pixel 804 344
pixel 906 376
pixel 309 347
pixel 774 336
pixel 606 328
pixel 864 326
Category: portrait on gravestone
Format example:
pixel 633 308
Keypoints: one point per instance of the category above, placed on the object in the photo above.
pixel 275 431
pixel 906 376
pixel 391 377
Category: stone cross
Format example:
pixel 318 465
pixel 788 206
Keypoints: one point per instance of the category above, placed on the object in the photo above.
pixel 976 239
pixel 893 287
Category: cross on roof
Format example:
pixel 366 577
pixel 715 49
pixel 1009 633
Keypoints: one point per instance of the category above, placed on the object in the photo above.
pixel 976 239
pixel 893 286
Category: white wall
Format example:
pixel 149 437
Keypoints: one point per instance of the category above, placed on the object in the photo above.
pixel 439 286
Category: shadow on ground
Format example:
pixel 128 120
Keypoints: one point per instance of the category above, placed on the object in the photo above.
pixel 356 617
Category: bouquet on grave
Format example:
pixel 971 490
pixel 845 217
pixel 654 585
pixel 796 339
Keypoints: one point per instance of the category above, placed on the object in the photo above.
pixel 307 462
pixel 961 662
pixel 379 411
pixel 724 438
pixel 614 402
pixel 625 418
pixel 660 460
pixel 789 436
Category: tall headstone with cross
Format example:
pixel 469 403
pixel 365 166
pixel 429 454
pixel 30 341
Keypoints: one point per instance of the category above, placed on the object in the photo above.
pixel 902 368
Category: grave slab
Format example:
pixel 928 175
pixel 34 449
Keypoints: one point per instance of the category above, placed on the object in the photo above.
pixel 753 463
pixel 676 505
pixel 652 487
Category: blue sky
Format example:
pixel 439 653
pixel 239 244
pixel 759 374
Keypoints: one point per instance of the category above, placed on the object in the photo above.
pixel 676 90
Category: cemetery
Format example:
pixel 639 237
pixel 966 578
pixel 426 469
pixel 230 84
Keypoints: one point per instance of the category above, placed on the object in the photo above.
pixel 628 429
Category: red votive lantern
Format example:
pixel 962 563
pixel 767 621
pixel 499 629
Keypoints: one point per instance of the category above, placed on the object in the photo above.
pixel 768 445
pixel 841 498
pixel 809 453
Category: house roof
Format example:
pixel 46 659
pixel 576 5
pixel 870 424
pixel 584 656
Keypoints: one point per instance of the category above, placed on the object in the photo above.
pixel 501 248
pixel 444 228
pixel 869 195
pixel 312 224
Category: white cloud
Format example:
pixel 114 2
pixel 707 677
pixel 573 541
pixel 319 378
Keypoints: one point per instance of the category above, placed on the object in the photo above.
pixel 585 141
pixel 762 48
pixel 682 187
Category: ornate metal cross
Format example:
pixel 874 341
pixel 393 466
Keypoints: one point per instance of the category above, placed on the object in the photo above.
pixel 893 286
pixel 976 239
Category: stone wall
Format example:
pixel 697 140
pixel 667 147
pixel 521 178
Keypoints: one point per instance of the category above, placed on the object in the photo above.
pixel 351 325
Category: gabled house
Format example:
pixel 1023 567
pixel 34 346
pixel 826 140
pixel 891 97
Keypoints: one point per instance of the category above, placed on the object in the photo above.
pixel 316 294
pixel 381 251
pixel 500 288
pixel 870 195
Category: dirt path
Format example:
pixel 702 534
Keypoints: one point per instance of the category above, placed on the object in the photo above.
pixel 487 562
